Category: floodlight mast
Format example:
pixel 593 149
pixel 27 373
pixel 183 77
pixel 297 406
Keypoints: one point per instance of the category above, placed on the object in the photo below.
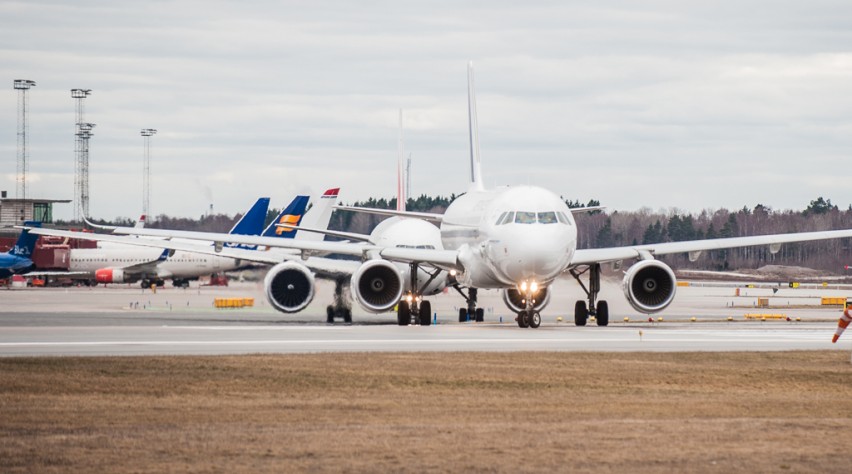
pixel 82 133
pixel 22 86
pixel 147 133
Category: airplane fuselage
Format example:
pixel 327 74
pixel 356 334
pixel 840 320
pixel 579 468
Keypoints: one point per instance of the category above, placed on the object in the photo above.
pixel 508 235
pixel 179 265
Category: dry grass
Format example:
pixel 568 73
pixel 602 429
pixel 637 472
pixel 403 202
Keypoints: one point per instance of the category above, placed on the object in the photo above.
pixel 428 412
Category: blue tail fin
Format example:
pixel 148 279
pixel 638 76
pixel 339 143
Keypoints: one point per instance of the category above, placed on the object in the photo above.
pixel 292 215
pixel 26 242
pixel 252 221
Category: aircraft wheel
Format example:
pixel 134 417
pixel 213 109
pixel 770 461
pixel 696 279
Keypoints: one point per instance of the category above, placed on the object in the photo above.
pixel 329 314
pixel 523 319
pixel 602 313
pixel 145 284
pixel 347 315
pixel 581 314
pixel 480 315
pixel 425 313
pixel 403 314
pixel 462 315
pixel 535 319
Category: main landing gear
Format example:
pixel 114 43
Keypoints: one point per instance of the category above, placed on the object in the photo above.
pixel 413 309
pixel 471 313
pixel 598 309
pixel 340 308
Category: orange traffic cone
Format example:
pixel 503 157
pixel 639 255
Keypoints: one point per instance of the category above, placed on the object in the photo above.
pixel 842 323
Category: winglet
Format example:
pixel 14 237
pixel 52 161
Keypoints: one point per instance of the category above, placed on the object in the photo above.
pixel 473 128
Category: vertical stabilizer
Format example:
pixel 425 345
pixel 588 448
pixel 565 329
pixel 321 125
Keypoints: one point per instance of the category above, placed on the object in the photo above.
pixel 26 242
pixel 292 215
pixel 319 216
pixel 400 190
pixel 473 126
pixel 251 223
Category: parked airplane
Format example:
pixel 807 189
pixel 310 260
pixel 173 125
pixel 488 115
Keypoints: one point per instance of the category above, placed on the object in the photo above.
pixel 19 258
pixel 518 239
pixel 129 264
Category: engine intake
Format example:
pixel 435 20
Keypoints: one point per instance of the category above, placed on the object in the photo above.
pixel 289 287
pixel 377 285
pixel 515 300
pixel 649 286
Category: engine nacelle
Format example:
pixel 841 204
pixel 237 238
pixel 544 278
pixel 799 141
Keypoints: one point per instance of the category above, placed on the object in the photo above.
pixel 289 287
pixel 649 286
pixel 377 286
pixel 110 275
pixel 515 300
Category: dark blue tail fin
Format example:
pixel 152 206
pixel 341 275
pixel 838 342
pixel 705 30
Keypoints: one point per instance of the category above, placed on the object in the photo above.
pixel 26 242
pixel 291 215
pixel 252 221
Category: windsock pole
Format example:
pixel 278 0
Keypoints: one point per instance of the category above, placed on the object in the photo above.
pixel 842 323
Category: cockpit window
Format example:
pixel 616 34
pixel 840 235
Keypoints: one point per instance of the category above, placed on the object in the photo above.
pixel 547 217
pixel 563 218
pixel 506 218
pixel 500 219
pixel 525 218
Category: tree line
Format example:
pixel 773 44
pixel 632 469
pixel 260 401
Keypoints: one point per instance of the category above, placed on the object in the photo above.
pixel 598 229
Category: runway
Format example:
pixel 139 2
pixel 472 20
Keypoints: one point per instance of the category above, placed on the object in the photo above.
pixel 246 339
pixel 128 321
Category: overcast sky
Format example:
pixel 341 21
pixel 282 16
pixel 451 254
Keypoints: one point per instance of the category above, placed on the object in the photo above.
pixel 655 104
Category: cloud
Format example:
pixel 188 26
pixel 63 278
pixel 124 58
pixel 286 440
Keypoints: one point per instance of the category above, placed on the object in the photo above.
pixel 658 104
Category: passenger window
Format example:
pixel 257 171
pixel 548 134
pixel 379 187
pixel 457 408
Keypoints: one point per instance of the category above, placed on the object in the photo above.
pixel 525 218
pixel 547 218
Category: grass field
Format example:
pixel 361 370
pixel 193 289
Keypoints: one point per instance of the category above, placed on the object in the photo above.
pixel 639 412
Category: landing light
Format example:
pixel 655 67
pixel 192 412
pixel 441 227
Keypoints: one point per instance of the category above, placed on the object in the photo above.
pixel 523 286
pixel 533 287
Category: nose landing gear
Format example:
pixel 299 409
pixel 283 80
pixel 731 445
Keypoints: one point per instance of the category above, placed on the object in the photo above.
pixel 529 317
pixel 471 313
pixel 413 309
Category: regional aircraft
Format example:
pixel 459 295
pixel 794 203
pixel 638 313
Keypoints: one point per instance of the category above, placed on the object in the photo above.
pixel 518 239
pixel 19 258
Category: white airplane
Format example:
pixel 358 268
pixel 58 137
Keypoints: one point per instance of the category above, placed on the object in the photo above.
pixel 518 239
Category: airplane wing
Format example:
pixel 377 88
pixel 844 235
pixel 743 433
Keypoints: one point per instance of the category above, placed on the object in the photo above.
pixel 695 247
pixel 333 233
pixel 429 216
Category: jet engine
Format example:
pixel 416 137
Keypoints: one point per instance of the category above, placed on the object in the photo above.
pixel 649 286
pixel 289 287
pixel 110 275
pixel 515 300
pixel 377 285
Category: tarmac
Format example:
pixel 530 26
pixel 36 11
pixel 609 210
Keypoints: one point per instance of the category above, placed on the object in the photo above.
pixel 126 320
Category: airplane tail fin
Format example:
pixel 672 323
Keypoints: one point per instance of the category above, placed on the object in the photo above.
pixel 400 189
pixel 140 223
pixel 319 215
pixel 292 214
pixel 252 221
pixel 26 241
pixel 473 128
